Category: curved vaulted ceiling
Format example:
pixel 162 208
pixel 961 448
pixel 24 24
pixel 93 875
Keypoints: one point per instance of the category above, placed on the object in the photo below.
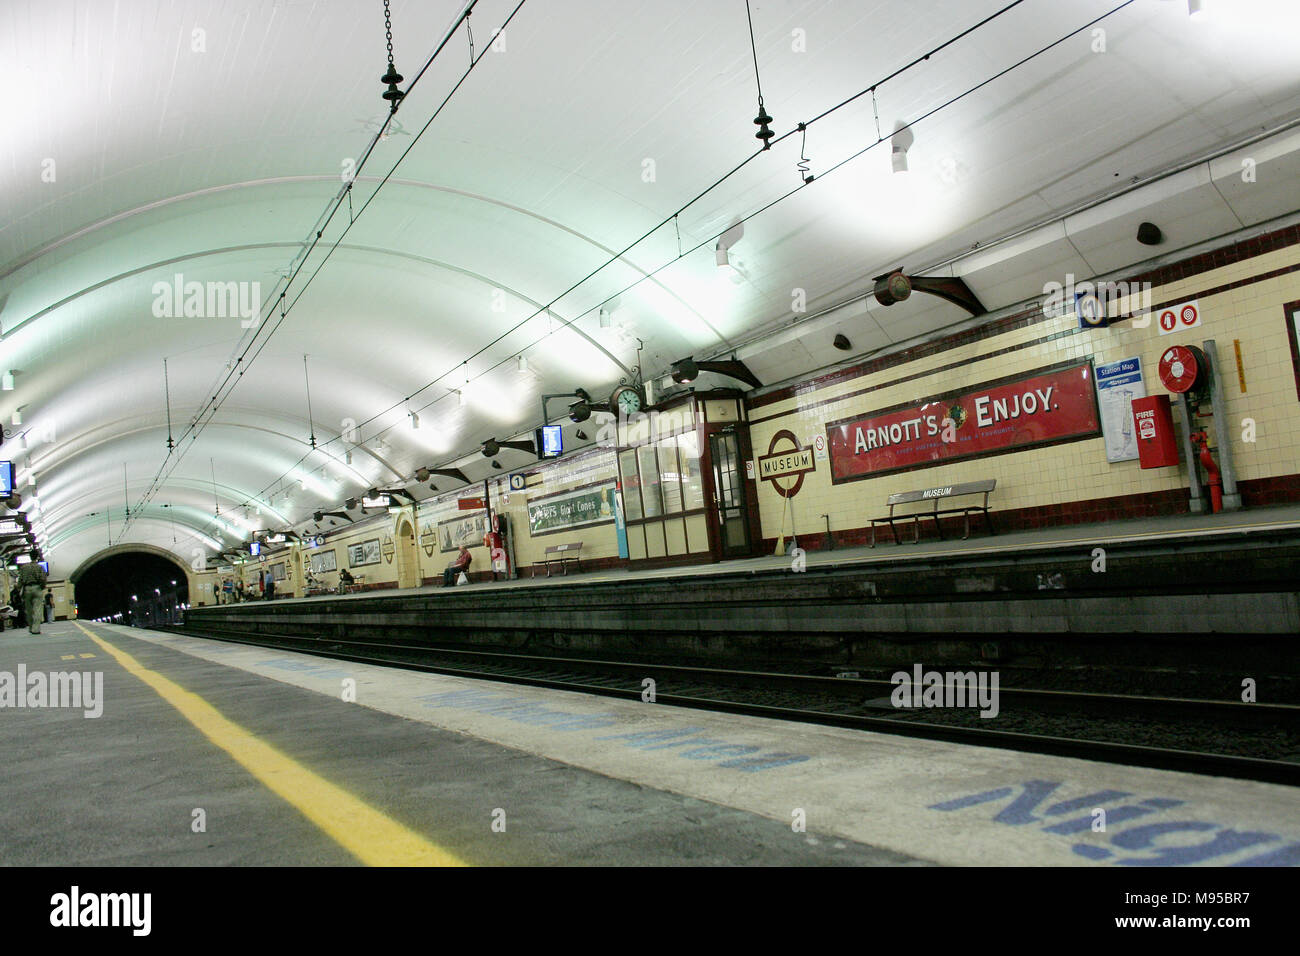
pixel 206 141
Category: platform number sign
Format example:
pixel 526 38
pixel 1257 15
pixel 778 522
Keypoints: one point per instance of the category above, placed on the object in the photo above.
pixel 518 481
pixel 1179 318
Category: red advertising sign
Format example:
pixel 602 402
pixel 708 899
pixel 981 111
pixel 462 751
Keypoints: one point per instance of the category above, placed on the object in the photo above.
pixel 987 419
pixel 470 504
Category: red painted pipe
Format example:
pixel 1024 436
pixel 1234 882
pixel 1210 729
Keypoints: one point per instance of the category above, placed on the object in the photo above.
pixel 1215 480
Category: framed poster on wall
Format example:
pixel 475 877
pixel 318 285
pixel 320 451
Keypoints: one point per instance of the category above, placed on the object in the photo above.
pixel 574 509
pixel 323 561
pixel 468 531
pixel 363 553
pixel 1118 383
pixel 1046 406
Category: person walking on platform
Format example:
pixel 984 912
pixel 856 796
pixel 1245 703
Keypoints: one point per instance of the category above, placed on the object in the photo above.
pixel 453 570
pixel 31 584
pixel 239 590
pixel 49 607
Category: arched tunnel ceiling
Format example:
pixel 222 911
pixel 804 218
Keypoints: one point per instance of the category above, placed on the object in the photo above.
pixel 206 138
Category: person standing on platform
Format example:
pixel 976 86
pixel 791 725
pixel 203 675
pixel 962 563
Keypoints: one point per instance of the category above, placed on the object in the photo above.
pixel 31 584
pixel 453 570
pixel 49 607
pixel 239 590
pixel 269 592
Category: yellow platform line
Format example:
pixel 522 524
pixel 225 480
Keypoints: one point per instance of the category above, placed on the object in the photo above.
pixel 372 837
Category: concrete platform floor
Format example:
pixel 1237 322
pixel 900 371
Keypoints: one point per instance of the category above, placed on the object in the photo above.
pixel 289 759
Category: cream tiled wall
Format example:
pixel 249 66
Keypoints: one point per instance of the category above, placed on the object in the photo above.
pixel 1077 471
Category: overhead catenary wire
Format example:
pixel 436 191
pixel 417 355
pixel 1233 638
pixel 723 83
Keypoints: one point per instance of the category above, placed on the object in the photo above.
pixel 232 369
pixel 800 128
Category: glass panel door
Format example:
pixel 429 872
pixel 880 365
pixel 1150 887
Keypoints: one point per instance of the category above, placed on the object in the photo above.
pixel 729 494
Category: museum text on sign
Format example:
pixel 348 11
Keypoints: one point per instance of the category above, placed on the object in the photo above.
pixel 1005 415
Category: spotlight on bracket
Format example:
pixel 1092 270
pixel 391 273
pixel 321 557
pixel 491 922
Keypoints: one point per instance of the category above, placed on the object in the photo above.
pixel 688 370
pixel 841 342
pixel 579 411
pixel 491 448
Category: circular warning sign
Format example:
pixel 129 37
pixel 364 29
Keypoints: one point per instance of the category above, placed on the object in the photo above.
pixel 819 443
pixel 1188 315
pixel 1180 368
pixel 1168 321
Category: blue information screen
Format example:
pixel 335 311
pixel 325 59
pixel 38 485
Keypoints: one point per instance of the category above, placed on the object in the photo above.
pixel 552 441
pixel 6 479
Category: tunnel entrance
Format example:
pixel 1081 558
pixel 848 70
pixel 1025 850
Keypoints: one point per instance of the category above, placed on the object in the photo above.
pixel 134 587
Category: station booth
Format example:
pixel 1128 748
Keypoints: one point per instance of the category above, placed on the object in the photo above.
pixel 682 479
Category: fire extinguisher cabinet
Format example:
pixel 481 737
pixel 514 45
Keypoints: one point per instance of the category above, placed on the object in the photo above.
pixel 1153 423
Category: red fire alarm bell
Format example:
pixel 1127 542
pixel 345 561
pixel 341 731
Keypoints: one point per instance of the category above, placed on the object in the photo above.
pixel 1154 424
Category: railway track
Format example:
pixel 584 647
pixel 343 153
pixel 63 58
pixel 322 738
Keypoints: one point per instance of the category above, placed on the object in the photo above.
pixel 1063 723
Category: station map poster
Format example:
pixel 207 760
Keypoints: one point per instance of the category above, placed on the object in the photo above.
pixel 1048 405
pixel 323 561
pixel 467 530
pixel 1118 383
pixel 574 509
pixel 363 553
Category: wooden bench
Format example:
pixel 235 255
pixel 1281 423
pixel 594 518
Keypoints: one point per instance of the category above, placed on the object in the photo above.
pixel 943 494
pixel 561 554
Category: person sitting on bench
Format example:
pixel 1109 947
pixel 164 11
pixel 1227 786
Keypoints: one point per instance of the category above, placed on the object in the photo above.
pixel 345 581
pixel 454 569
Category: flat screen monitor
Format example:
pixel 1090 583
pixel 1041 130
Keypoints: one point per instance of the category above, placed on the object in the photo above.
pixel 44 566
pixel 550 443
pixel 6 479
pixel 254 548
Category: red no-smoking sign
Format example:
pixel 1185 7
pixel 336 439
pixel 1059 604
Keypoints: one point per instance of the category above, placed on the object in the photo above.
pixel 1179 318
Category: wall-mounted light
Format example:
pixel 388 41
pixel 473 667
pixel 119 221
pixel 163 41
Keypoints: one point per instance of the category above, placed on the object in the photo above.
pixel 605 318
pixel 685 370
pixel 523 363
pixel 415 420
pixel 1196 9
pixel 900 143
pixel 8 382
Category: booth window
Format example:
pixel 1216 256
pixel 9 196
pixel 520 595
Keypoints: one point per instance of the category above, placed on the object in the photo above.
pixel 692 482
pixel 631 484
pixel 1292 312
pixel 670 479
pixel 651 498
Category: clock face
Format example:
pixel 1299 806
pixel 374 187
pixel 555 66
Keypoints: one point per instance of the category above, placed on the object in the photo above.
pixel 628 400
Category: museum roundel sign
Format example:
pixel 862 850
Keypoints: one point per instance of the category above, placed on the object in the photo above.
pixel 1181 367
pixel 786 463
